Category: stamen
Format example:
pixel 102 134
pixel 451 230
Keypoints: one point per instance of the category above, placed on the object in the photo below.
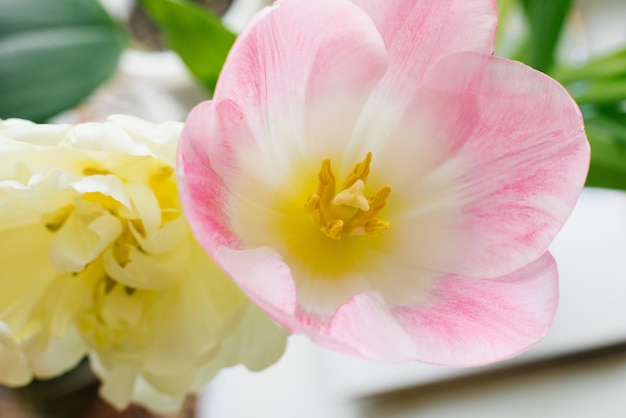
pixel 375 227
pixel 334 229
pixel 359 172
pixel 379 200
pixel 349 212
pixel 326 187
pixel 376 204
pixel 312 204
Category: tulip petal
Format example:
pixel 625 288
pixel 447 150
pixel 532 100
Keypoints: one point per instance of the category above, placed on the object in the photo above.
pixel 417 34
pixel 501 180
pixel 265 278
pixel 473 321
pixel 203 192
pixel 354 329
pixel 365 325
pixel 397 282
pixel 296 67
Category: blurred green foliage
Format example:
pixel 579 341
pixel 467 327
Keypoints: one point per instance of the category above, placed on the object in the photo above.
pixel 598 85
pixel 196 34
pixel 53 53
pixel 545 21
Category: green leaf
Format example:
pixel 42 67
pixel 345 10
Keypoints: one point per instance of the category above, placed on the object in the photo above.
pixel 510 36
pixel 612 65
pixel 545 19
pixel 607 137
pixel 53 54
pixel 599 87
pixel 599 91
pixel 196 34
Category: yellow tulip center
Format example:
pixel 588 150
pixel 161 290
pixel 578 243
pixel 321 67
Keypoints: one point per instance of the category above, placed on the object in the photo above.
pixel 347 212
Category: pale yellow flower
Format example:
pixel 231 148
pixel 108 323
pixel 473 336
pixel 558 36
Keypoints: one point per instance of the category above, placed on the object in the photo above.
pixel 98 259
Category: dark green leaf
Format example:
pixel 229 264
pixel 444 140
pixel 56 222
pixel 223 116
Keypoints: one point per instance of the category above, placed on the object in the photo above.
pixel 607 137
pixel 195 34
pixel 53 53
pixel 545 19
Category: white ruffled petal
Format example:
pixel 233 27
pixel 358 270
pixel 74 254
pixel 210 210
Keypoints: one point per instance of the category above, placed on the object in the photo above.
pixel 105 137
pixel 61 354
pixel 147 271
pixel 14 367
pixel 82 238
pixel 146 206
pixel 149 397
pixel 172 235
pixel 33 134
pixel 161 139
pixel 118 382
pixel 93 230
pixel 108 185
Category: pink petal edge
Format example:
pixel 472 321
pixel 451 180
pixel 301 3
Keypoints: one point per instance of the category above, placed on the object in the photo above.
pixel 203 193
pixel 294 62
pixel 470 322
pixel 521 154
pixel 438 27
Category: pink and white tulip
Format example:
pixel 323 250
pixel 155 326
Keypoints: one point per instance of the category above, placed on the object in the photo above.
pixel 371 175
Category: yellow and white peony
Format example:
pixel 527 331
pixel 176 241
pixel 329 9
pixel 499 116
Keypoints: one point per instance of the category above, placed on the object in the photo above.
pixel 96 258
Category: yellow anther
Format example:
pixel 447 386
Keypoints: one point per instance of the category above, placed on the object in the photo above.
pixel 353 197
pixel 378 201
pixel 375 227
pixel 359 172
pixel 326 186
pixel 312 204
pixel 376 204
pixel 334 229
